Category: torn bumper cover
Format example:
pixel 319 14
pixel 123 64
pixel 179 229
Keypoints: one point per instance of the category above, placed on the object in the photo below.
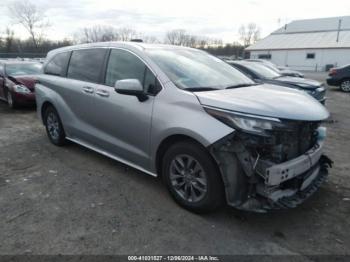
pixel 257 184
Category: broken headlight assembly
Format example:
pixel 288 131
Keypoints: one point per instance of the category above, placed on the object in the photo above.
pixel 245 122
pixel 21 89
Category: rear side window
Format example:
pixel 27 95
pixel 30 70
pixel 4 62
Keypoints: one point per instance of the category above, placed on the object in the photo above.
pixel 85 65
pixel 58 65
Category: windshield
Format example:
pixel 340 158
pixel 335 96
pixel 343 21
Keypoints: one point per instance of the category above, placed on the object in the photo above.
pixel 262 70
pixel 195 69
pixel 271 66
pixel 23 69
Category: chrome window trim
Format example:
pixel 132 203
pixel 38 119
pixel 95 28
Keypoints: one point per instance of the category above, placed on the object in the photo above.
pixel 111 48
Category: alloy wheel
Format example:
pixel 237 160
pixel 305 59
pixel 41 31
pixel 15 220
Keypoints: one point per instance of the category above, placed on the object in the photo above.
pixel 188 178
pixel 345 86
pixel 53 126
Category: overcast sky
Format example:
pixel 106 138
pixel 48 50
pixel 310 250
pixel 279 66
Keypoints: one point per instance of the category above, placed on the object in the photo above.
pixel 216 18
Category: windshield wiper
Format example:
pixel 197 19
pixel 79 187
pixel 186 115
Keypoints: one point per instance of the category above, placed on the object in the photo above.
pixel 242 85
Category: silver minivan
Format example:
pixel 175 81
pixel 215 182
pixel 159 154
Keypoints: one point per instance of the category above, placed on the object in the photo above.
pixel 213 135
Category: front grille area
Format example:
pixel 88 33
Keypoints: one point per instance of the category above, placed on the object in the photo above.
pixel 295 141
pixel 284 144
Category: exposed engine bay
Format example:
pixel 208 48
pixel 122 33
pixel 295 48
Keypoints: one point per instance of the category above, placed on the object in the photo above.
pixel 276 170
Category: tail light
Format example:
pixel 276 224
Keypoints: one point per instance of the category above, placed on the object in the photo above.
pixel 332 71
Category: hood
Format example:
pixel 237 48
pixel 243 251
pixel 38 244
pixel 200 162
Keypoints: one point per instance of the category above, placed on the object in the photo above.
pixel 286 71
pixel 303 83
pixel 28 81
pixel 266 100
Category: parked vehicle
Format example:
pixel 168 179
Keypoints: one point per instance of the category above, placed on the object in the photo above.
pixel 17 80
pixel 340 76
pixel 208 130
pixel 260 73
pixel 285 71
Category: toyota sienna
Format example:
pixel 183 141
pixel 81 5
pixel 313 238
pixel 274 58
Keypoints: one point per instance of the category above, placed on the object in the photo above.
pixel 213 135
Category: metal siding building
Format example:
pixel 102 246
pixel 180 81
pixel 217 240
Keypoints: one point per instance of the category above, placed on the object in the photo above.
pixel 307 44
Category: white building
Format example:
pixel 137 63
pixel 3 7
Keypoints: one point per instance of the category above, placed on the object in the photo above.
pixel 307 44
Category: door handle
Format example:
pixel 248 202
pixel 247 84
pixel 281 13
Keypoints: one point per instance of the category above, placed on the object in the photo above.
pixel 88 89
pixel 102 92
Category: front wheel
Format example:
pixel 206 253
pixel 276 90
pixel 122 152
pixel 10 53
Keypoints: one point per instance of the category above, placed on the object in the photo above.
pixel 11 101
pixel 345 85
pixel 54 128
pixel 192 177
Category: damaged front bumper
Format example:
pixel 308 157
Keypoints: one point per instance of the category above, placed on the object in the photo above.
pixel 295 188
pixel 259 185
pixel 275 174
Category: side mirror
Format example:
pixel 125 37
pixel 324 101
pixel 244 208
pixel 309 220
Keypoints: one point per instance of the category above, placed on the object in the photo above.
pixel 131 87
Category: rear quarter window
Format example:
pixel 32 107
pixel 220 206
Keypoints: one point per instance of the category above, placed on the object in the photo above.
pixel 58 64
pixel 86 64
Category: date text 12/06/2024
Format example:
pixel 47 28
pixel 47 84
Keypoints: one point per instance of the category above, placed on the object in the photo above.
pixel 173 258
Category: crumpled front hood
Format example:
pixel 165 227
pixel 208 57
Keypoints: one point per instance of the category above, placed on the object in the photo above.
pixel 266 100
pixel 306 83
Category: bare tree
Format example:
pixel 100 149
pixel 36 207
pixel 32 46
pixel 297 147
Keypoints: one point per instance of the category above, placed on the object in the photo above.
pixel 102 33
pixel 97 33
pixel 9 39
pixel 126 33
pixel 31 18
pixel 176 37
pixel 181 37
pixel 150 39
pixel 249 34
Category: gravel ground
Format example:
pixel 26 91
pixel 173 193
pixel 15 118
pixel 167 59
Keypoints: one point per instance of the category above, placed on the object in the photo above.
pixel 70 200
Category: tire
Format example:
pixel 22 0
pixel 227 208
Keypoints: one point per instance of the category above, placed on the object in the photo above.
pixel 54 127
pixel 345 85
pixel 205 190
pixel 11 101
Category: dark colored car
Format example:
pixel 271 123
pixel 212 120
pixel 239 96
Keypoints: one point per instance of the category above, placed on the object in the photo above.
pixel 340 76
pixel 17 80
pixel 285 71
pixel 261 73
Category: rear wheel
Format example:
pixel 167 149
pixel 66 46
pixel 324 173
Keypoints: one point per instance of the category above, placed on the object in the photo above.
pixel 345 85
pixel 54 128
pixel 192 177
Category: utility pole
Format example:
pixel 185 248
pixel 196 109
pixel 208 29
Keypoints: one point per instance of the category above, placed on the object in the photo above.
pixel 339 27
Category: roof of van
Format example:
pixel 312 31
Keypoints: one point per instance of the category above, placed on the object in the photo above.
pixel 136 45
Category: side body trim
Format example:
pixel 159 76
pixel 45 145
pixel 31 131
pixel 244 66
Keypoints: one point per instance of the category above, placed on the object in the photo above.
pixel 84 144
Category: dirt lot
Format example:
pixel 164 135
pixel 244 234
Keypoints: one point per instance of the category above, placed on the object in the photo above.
pixel 73 201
